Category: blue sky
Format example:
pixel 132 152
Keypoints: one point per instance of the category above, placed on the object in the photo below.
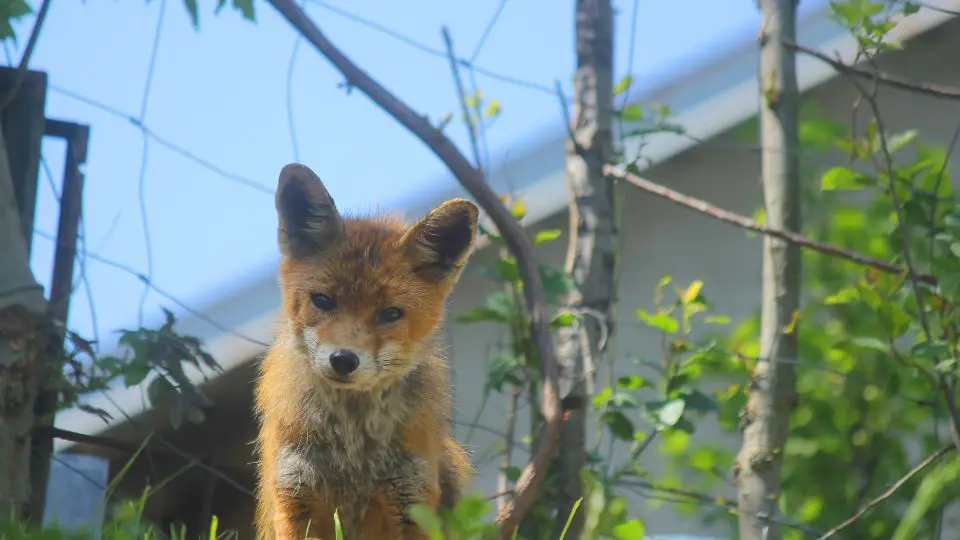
pixel 222 94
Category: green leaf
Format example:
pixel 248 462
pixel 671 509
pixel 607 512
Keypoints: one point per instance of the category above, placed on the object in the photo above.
pixel 160 391
pixel 507 270
pixel 631 530
pixel 246 8
pixel 843 296
pixel 909 8
pixel 492 109
pixel 619 425
pixel 471 510
pixel 950 285
pixel 716 319
pixel 512 473
pixel 632 113
pixel 546 235
pixel 428 520
pixel 481 314
pixel 871 343
pixel 504 370
pixel 898 141
pixel 937 349
pixel 660 321
pixel 191 6
pixel 564 320
pixel 842 178
pixel 947 366
pixel 622 86
pixel 519 209
pixel 500 306
pixel 556 283
pixel 135 372
pixel 699 402
pixel 631 382
pixel 665 413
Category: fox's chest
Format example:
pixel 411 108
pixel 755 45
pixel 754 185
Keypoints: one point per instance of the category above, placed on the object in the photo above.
pixel 347 451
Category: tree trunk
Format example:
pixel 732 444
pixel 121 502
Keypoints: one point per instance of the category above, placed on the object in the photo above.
pixel 592 248
pixel 772 391
pixel 24 340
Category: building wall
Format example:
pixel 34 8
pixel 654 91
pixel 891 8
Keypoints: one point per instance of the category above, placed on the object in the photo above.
pixel 660 238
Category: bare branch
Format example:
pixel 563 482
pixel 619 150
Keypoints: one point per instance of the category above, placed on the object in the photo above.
pixel 513 234
pixel 749 224
pixel 925 88
pixel 888 492
pixel 462 97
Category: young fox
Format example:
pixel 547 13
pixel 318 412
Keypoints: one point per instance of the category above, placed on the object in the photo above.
pixel 353 396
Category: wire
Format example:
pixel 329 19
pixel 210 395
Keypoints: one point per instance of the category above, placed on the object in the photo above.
pixel 486 31
pixel 144 218
pixel 146 281
pixel 113 111
pixel 432 51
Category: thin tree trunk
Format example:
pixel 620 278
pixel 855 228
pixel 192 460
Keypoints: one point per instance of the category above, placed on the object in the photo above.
pixel 23 341
pixel 772 391
pixel 591 251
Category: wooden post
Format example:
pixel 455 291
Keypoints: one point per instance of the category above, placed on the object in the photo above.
pixel 61 288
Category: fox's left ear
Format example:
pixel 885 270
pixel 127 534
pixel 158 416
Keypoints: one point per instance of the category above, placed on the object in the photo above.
pixel 309 220
pixel 440 243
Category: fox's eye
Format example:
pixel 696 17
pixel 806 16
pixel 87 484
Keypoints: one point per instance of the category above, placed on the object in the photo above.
pixel 389 315
pixel 323 302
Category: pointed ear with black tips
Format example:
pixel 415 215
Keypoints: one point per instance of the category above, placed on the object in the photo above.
pixel 309 220
pixel 441 242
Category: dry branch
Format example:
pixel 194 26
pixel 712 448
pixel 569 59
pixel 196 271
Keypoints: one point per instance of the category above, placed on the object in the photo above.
pixel 893 81
pixel 746 223
pixel 513 234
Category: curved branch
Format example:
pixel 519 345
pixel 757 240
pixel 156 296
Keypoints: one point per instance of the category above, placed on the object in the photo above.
pixel 924 88
pixel 513 234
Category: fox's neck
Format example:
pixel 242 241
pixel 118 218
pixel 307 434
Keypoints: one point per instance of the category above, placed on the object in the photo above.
pixel 371 413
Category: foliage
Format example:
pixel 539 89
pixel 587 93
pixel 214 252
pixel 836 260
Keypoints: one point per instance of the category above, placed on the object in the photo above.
pixel 163 353
pixel 875 348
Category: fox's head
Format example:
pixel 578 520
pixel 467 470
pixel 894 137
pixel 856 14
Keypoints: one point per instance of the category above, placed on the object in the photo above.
pixel 364 296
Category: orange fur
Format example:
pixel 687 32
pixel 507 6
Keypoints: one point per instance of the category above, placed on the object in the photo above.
pixel 369 443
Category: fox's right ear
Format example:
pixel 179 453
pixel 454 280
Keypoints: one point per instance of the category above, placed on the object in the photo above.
pixel 309 220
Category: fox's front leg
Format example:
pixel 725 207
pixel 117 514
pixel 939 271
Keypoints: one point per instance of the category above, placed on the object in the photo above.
pixel 389 512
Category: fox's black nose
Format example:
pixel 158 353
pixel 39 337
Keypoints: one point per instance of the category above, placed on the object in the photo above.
pixel 344 361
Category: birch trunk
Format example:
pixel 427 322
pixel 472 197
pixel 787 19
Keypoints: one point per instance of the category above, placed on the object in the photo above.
pixel 772 391
pixel 23 342
pixel 592 247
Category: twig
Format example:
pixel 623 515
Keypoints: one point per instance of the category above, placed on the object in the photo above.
pixel 462 98
pixel 749 224
pixel 27 54
pixel 513 234
pixel 925 88
pixel 941 384
pixel 508 446
pixel 888 492
pixel 723 503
